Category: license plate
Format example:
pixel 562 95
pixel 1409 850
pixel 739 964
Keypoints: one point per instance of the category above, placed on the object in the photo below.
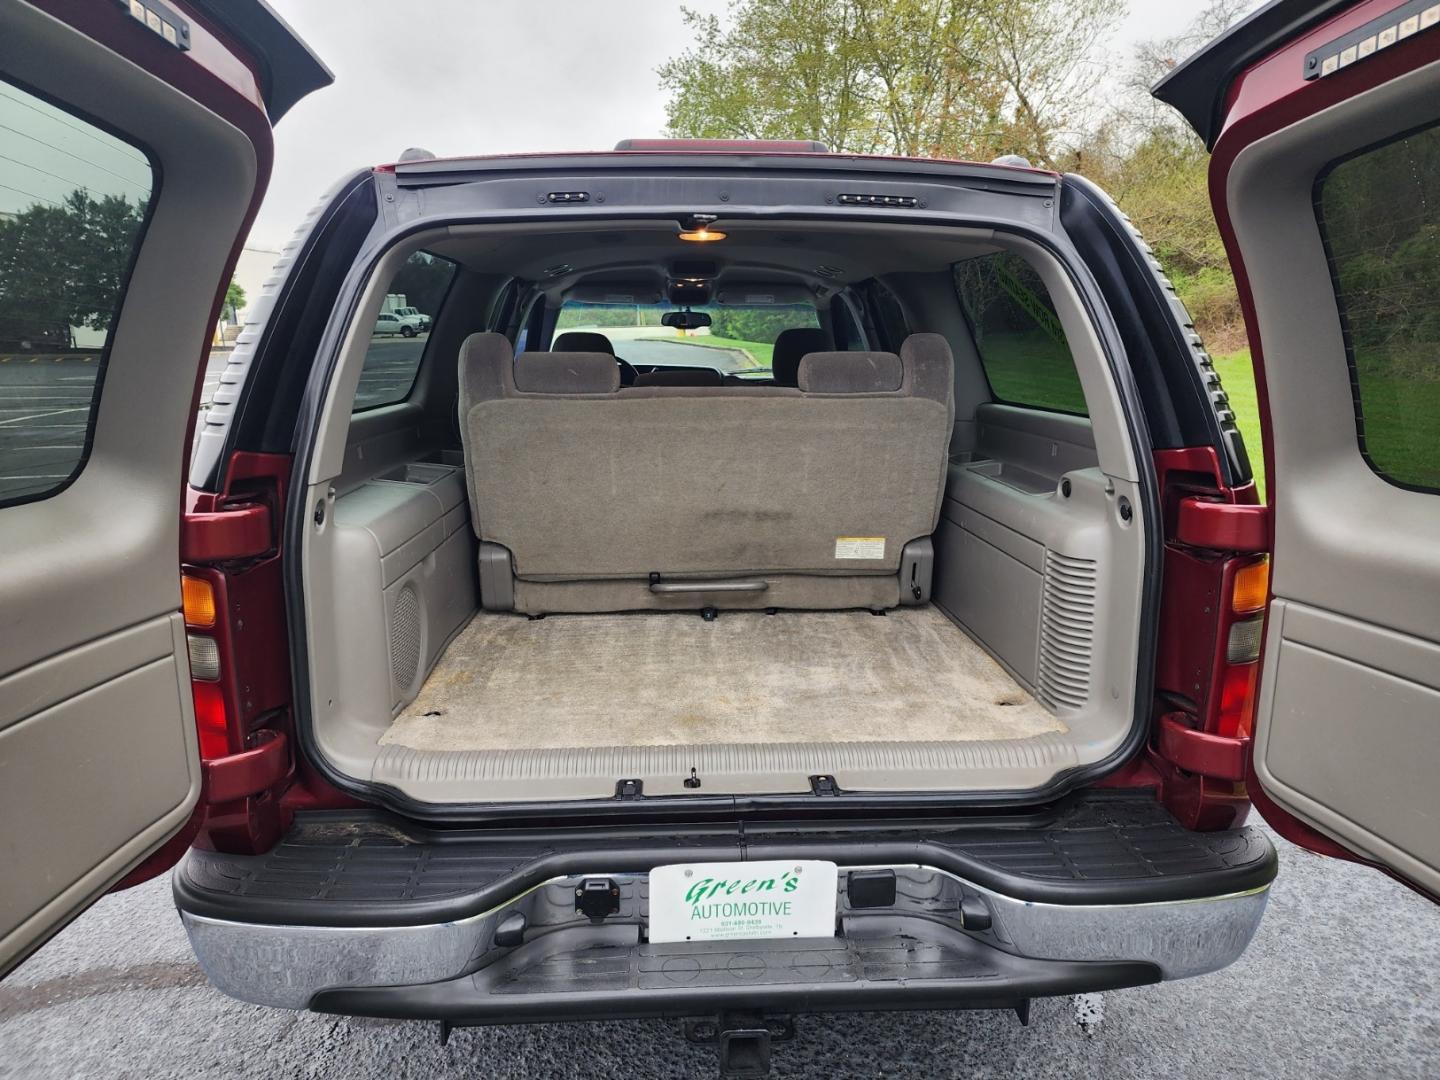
pixel 716 901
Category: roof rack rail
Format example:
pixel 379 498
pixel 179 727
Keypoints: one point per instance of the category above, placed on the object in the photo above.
pixel 771 146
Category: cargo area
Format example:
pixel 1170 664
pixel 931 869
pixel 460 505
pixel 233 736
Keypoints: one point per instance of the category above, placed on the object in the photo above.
pixel 584 541
pixel 508 682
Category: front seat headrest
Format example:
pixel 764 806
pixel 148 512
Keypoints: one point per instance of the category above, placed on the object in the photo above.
pixel 582 341
pixel 791 346
pixel 590 341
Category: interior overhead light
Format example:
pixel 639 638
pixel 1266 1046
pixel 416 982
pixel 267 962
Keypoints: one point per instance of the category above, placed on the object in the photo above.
pixel 701 235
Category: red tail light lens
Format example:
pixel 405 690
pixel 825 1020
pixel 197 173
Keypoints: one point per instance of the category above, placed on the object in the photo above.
pixel 211 720
pixel 1237 700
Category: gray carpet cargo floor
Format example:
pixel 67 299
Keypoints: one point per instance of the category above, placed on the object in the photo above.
pixel 661 679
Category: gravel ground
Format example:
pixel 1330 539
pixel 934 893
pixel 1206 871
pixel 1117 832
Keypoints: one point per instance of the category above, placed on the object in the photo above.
pixel 1340 981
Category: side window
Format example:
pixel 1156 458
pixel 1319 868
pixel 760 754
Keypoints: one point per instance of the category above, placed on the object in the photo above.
pixel 1380 220
pixel 1017 334
pixel 503 308
pixel 73 200
pixel 402 330
pixel 886 316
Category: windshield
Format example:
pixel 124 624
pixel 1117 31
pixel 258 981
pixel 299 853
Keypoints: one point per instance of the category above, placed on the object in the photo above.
pixel 738 341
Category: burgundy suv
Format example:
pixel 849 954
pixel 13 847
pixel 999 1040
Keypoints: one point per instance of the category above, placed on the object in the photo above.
pixel 776 581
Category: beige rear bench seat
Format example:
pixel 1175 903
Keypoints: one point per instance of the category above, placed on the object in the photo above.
pixel 590 497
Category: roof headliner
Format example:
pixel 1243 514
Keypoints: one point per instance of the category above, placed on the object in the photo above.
pixel 642 253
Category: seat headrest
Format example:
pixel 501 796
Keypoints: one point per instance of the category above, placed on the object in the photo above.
pixel 566 373
pixel 582 341
pixel 851 373
pixel 680 377
pixel 791 346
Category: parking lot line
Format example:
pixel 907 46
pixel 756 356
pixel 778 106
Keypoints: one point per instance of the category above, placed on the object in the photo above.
pixel 46 415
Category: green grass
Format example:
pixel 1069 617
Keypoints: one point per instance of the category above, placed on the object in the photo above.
pixel 1402 418
pixel 1031 369
pixel 1237 376
pixel 1400 396
pixel 760 352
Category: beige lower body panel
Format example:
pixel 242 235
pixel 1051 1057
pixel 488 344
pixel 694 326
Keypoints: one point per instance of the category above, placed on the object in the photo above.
pixel 565 706
pixel 98 766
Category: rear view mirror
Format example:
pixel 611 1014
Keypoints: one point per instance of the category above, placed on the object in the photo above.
pixel 685 320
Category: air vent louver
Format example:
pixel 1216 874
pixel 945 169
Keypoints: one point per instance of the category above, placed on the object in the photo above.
pixel 1067 630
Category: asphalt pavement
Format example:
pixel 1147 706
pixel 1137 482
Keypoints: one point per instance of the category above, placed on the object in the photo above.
pixel 45 409
pixel 1341 981
pixel 45 404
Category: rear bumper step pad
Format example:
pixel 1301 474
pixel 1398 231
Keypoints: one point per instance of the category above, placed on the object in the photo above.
pixel 607 974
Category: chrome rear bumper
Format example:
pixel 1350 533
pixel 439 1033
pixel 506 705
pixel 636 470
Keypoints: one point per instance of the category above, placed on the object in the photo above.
pixel 943 935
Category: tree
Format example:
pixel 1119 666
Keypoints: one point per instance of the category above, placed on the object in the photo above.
pixel 63 265
pixel 937 78
pixel 423 279
pixel 1146 156
pixel 234 298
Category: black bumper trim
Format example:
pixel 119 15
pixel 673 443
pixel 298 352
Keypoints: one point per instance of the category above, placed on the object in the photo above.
pixel 367 868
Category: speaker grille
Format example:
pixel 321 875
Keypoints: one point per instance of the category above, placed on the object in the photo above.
pixel 405 638
pixel 1067 630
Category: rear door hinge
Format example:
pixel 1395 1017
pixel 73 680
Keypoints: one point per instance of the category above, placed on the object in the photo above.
pixel 238 776
pixel 1219 757
pixel 1221 526
pixel 238 532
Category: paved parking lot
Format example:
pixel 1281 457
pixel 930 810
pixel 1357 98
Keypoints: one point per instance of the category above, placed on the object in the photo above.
pixel 44 409
pixel 1341 981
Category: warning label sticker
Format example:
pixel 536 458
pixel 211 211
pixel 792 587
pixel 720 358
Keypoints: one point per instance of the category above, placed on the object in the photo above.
pixel 860 547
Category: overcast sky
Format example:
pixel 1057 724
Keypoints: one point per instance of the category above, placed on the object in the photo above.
pixel 497 76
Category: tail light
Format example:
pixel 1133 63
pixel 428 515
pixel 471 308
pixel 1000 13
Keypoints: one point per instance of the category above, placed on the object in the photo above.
pixel 212 680
pixel 232 597
pixel 1238 669
pixel 1212 630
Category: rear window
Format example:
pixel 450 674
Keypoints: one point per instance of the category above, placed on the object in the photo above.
pixel 1380 219
pixel 402 330
pixel 73 200
pixel 740 339
pixel 1017 334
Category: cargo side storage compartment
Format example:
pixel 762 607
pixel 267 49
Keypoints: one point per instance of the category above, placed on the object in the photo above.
pixel 1033 549
pixel 405 562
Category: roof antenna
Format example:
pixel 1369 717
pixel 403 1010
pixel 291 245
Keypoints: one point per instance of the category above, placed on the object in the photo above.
pixel 416 153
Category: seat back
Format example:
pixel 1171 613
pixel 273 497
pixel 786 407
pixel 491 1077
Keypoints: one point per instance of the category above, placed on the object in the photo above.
pixel 586 483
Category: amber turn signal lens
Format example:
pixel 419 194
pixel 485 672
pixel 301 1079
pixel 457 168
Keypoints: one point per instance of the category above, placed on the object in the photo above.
pixel 197 601
pixel 1252 587
pixel 702 236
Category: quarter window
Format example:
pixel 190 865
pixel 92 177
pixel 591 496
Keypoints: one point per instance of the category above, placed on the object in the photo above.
pixel 1018 334
pixel 73 200
pixel 402 330
pixel 1380 220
